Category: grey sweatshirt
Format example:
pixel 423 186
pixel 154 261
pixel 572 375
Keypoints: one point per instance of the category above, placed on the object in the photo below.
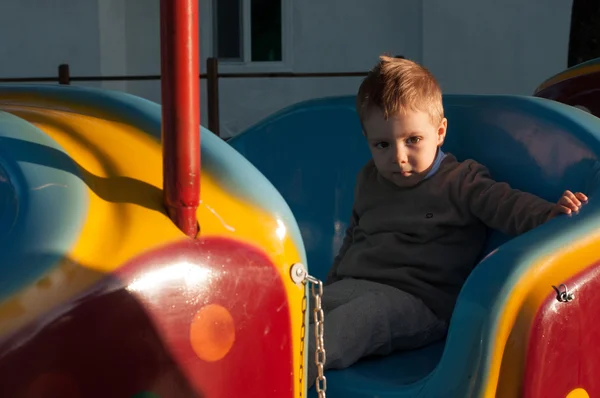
pixel 426 239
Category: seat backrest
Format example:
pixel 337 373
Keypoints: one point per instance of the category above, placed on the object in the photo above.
pixel 313 150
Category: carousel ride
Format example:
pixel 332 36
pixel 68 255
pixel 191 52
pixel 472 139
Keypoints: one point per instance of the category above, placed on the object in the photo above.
pixel 142 256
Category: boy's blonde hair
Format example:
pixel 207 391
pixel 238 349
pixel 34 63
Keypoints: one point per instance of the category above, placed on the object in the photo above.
pixel 397 85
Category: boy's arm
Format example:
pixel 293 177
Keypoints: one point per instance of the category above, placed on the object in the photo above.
pixel 332 276
pixel 349 236
pixel 499 206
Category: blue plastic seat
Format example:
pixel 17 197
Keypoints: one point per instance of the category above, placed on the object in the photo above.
pixel 312 151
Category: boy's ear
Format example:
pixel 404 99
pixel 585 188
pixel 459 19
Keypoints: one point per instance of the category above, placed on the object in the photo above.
pixel 442 131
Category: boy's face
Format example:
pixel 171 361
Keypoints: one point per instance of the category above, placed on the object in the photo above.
pixel 404 146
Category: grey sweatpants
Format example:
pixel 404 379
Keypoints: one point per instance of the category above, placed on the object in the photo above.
pixel 364 318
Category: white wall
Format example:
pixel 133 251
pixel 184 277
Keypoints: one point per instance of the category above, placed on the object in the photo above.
pixel 473 46
pixel 500 47
pixel 327 36
pixel 39 35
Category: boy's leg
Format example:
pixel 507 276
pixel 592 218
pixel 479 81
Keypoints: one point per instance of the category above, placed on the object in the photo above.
pixel 335 294
pixel 376 320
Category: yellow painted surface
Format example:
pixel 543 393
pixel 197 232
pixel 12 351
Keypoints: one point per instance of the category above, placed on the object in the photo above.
pixel 578 393
pixel 584 70
pixel 122 167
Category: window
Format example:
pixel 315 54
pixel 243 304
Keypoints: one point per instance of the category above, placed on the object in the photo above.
pixel 584 37
pixel 248 31
pixel 228 30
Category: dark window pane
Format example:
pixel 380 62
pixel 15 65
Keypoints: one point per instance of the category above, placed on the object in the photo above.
pixel 266 30
pixel 228 29
pixel 584 42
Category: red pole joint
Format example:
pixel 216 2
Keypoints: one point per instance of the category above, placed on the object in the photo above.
pixel 180 88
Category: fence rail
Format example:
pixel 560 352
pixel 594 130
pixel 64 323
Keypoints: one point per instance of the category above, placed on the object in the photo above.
pixel 212 77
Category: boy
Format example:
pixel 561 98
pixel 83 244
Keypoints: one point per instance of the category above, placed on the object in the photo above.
pixel 418 223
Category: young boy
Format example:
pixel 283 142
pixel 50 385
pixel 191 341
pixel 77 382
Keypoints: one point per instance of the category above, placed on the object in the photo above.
pixel 418 223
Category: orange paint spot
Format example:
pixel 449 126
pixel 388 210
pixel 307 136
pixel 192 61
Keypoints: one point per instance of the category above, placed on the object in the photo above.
pixel 578 393
pixel 53 384
pixel 212 332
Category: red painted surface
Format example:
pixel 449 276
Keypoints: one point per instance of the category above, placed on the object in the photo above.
pixel 180 87
pixel 563 351
pixel 131 332
pixel 583 90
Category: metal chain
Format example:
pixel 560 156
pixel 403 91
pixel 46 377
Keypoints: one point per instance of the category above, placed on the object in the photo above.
pixel 302 336
pixel 319 318
pixel 299 275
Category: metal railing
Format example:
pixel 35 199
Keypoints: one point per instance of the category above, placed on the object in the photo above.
pixel 212 77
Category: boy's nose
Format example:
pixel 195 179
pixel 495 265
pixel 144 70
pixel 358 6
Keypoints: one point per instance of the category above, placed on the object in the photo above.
pixel 400 156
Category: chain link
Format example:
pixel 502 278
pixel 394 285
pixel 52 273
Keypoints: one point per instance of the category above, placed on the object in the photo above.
pixel 302 336
pixel 300 276
pixel 319 318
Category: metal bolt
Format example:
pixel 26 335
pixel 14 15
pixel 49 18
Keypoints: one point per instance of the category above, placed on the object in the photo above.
pixel 563 295
pixel 298 273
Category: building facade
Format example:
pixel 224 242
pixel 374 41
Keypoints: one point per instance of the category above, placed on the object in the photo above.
pixel 472 46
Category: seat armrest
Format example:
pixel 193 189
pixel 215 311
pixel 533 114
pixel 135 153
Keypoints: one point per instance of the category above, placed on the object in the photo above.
pixel 502 286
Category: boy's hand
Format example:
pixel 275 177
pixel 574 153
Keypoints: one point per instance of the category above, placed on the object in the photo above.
pixel 568 203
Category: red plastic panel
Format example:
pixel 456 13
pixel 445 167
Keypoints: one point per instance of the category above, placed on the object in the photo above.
pixel 206 318
pixel 582 91
pixel 564 351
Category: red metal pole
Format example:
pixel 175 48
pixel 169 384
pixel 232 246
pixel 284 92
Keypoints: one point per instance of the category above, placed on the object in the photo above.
pixel 180 87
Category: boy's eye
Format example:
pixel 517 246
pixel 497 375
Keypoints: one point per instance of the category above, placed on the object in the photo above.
pixel 382 145
pixel 413 140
